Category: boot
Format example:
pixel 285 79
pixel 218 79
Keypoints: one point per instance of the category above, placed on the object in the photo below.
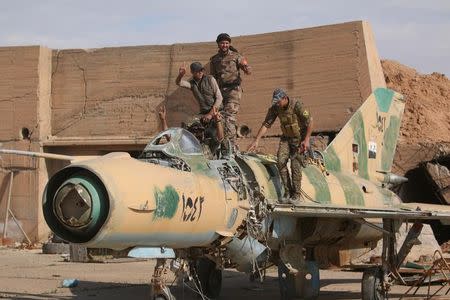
pixel 284 200
pixel 296 200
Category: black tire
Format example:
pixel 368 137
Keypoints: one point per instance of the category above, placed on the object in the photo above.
pixel 209 277
pixel 371 284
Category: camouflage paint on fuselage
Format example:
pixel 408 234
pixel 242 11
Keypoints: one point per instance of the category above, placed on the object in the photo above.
pixel 166 202
pixel 331 160
pixel 390 141
pixel 359 136
pixel 365 146
pixel 353 193
pixel 318 181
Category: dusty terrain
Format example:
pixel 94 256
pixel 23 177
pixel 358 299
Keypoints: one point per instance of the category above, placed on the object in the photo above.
pixel 427 110
pixel 28 274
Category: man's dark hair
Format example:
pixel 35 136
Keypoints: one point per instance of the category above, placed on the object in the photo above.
pixel 223 37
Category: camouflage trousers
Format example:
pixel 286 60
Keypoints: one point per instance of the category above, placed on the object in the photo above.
pixel 288 149
pixel 231 103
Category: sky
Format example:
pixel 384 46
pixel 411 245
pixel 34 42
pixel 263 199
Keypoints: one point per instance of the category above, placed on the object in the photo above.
pixel 414 32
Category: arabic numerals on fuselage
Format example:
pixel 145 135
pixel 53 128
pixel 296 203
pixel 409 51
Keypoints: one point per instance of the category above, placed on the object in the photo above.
pixel 192 208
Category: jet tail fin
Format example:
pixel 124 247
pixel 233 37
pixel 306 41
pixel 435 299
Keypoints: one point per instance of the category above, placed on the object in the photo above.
pixel 366 144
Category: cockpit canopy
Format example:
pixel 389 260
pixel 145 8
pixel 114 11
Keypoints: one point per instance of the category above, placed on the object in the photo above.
pixel 175 142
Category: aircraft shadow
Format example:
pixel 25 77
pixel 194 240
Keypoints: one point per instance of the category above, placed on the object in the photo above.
pixel 236 287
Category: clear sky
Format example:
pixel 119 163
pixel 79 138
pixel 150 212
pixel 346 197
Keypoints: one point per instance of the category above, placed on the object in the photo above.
pixel 413 32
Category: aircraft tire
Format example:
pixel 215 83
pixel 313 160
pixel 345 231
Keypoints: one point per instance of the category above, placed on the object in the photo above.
pixel 371 284
pixel 210 277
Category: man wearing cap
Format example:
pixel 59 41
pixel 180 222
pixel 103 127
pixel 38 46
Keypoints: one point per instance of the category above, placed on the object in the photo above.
pixel 225 66
pixel 204 87
pixel 294 120
pixel 210 137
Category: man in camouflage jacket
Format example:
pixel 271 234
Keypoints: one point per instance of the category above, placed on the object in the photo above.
pixel 225 66
pixel 296 127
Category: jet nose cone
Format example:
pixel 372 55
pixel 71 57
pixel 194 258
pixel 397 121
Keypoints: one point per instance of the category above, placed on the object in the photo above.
pixel 73 205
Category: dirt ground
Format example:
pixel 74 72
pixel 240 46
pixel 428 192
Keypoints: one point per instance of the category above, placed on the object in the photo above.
pixel 28 274
pixel 427 110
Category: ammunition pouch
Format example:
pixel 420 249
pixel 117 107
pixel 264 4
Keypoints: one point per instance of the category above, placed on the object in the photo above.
pixel 232 85
pixel 289 122
pixel 291 130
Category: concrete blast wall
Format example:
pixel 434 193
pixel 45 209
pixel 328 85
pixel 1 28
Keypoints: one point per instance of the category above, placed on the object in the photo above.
pixel 25 122
pixel 105 91
pixel 98 100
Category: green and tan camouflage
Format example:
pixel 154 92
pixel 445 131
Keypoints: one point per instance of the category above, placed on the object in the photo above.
pixel 366 145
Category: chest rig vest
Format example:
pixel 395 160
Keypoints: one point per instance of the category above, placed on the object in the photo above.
pixel 204 93
pixel 227 69
pixel 289 122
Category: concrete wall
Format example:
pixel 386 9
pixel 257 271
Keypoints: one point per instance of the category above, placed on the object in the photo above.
pixel 94 101
pixel 24 111
pixel 105 91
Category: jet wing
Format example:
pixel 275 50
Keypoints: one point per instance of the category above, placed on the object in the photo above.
pixel 404 211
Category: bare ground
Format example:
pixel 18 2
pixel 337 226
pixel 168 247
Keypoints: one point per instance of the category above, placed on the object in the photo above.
pixel 28 274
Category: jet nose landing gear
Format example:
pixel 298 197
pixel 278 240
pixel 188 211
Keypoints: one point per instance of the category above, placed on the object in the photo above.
pixel 159 289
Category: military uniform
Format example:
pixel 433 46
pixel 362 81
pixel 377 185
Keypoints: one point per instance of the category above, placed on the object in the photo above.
pixel 206 133
pixel 206 92
pixel 293 120
pixel 225 68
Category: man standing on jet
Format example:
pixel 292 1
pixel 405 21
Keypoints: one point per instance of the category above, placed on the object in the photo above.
pixel 225 67
pixel 294 119
pixel 203 87
pixel 210 137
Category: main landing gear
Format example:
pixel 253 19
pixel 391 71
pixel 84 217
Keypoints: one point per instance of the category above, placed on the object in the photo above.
pixel 208 277
pixel 202 273
pixel 377 281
